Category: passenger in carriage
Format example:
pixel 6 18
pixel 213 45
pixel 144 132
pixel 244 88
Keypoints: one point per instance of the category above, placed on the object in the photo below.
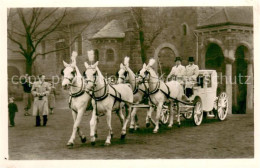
pixel 178 71
pixel 192 72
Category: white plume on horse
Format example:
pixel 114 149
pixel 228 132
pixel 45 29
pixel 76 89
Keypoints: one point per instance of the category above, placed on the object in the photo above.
pixel 151 62
pixel 91 56
pixel 74 56
pixel 126 61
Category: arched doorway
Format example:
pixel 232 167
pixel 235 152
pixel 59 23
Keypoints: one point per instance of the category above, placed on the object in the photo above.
pixel 166 58
pixel 215 60
pixel 14 87
pixel 12 71
pixel 239 73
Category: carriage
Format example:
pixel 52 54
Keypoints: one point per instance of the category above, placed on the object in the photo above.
pixel 128 96
pixel 203 103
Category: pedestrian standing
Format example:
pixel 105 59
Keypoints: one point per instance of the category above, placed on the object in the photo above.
pixel 40 91
pixel 12 108
pixel 52 97
pixel 27 96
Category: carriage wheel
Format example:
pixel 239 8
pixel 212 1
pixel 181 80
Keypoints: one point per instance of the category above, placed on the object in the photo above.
pixel 222 106
pixel 197 112
pixel 165 114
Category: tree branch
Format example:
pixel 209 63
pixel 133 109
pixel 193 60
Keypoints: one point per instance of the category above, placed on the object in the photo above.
pixel 21 15
pixel 36 20
pixel 18 43
pixel 51 30
pixel 42 20
pixel 16 51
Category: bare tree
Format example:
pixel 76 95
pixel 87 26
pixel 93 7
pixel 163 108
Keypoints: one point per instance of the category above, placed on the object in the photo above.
pixel 28 27
pixel 149 24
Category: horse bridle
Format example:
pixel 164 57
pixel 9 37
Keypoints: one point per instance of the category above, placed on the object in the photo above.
pixel 124 75
pixel 74 73
pixel 94 91
pixel 144 80
pixel 70 79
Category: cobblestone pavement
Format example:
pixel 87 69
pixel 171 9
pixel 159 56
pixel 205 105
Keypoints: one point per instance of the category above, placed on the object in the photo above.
pixel 232 138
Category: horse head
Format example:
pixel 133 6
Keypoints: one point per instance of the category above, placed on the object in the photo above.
pixel 146 71
pixel 92 72
pixel 122 73
pixel 69 74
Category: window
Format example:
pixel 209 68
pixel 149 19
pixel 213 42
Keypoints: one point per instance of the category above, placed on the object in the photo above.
pixel 62 50
pixel 184 29
pixel 78 45
pixel 96 54
pixel 110 55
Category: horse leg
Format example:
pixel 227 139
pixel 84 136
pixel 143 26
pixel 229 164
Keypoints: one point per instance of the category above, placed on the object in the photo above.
pixel 136 123
pixel 127 109
pixel 77 119
pixel 179 115
pixel 120 115
pixel 171 115
pixel 108 117
pixel 149 116
pixel 132 121
pixel 97 120
pixel 157 118
pixel 93 123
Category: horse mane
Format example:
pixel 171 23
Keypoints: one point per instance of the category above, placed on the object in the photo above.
pixel 101 77
pixel 78 72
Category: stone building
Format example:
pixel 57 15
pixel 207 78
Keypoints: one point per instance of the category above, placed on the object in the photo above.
pixel 219 38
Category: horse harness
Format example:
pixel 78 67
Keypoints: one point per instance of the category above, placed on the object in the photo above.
pixel 157 89
pixel 77 94
pixel 136 88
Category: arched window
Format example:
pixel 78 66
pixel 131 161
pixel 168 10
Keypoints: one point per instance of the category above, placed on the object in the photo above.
pixel 96 54
pixel 110 55
pixel 184 29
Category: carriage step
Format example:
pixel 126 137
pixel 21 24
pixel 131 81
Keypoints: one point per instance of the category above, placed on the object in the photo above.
pixel 141 106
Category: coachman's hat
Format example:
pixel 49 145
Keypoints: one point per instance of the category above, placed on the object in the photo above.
pixel 177 59
pixel 191 59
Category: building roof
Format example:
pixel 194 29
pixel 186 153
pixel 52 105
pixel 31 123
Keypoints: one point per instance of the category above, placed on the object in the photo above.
pixel 114 29
pixel 230 16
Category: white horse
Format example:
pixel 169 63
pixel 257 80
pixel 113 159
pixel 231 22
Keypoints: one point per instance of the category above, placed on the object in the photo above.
pixel 126 74
pixel 79 98
pixel 107 98
pixel 160 92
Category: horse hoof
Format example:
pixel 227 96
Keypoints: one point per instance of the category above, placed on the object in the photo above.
pixel 112 136
pixel 93 143
pixel 123 136
pixel 131 130
pixel 148 125
pixel 83 140
pixel 155 132
pixel 179 125
pixel 107 143
pixel 70 145
pixel 169 126
pixel 96 135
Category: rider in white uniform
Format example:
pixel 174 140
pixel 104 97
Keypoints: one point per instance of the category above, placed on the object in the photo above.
pixel 178 71
pixel 192 72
